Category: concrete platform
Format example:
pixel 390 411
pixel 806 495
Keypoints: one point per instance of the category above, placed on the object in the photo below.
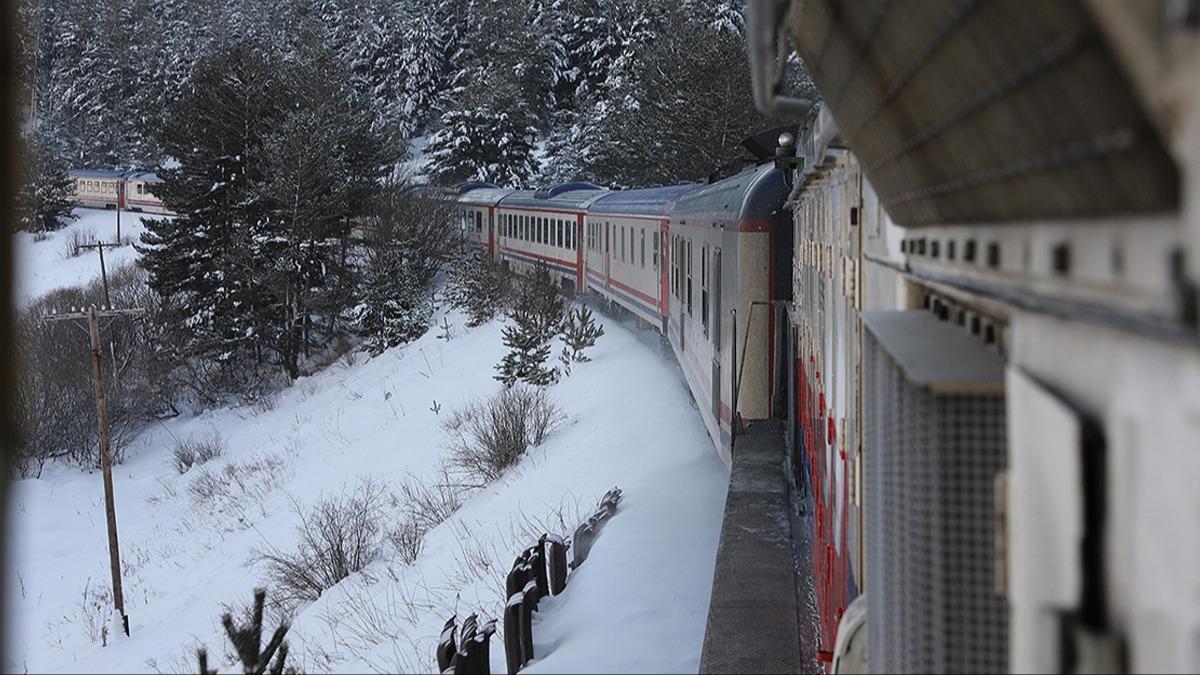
pixel 755 619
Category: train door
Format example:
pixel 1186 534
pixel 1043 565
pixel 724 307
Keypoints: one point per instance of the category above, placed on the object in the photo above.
pixel 714 311
pixel 660 267
pixel 607 254
pixel 491 233
pixel 577 241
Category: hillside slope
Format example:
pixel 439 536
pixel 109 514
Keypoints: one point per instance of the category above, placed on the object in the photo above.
pixel 638 604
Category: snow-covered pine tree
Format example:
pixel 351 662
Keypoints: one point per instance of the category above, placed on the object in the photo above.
pixel 536 319
pixel 580 331
pixel 396 306
pixel 480 287
pixel 406 245
pixel 421 67
pixel 490 141
pixel 44 194
pixel 320 160
pixel 204 263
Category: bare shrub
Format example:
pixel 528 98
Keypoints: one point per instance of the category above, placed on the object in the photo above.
pixel 80 237
pixel 265 401
pixel 487 437
pixel 196 450
pixel 422 506
pixel 407 538
pixel 338 536
pixel 94 610
pixel 54 397
pixel 230 493
pixel 429 503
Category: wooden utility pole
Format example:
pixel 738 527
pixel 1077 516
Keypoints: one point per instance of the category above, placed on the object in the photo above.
pixel 120 200
pixel 93 316
pixel 100 246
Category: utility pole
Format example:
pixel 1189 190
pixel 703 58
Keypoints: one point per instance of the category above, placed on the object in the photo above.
pixel 120 198
pixel 99 246
pixel 93 316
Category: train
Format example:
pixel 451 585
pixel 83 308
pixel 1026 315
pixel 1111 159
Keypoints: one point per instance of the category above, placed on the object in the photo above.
pixel 970 286
pixel 126 190
pixel 696 262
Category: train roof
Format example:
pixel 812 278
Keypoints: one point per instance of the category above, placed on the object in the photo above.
pixel 656 201
pixel 148 176
pixel 567 196
pixel 728 199
pixel 480 193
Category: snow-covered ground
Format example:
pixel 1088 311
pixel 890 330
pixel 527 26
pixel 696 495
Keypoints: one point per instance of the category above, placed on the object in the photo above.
pixel 638 604
pixel 42 266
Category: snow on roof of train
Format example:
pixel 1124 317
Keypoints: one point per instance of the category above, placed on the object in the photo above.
pixel 563 196
pixel 655 201
pixel 729 197
pixel 148 176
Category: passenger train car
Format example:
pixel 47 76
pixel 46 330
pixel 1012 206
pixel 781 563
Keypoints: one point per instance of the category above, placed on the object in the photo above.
pixel 697 262
pixel 996 332
pixel 127 190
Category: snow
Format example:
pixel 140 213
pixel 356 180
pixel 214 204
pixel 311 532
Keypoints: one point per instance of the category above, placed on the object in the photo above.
pixel 42 266
pixel 639 603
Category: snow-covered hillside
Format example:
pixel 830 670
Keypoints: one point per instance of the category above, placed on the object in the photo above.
pixel 43 266
pixel 638 604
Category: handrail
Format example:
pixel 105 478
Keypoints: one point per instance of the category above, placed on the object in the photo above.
pixel 767 37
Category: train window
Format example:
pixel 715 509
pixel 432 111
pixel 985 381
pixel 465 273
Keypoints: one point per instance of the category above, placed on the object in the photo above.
pixel 687 261
pixel 607 238
pixel 654 252
pixel 559 230
pixel 643 248
pixel 704 288
pixel 568 230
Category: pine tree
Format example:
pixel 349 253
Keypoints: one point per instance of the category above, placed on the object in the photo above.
pixel 207 263
pixel 45 192
pixel 480 287
pixel 396 307
pixel 536 320
pixel 247 641
pixel 486 142
pixel 580 331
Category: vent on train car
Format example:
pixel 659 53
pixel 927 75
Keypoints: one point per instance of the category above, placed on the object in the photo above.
pixel 935 441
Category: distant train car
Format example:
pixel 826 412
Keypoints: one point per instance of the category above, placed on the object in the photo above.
pixel 476 214
pixel 544 227
pixel 127 190
pixel 624 235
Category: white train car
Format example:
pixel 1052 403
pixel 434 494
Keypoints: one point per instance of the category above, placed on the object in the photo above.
pixel 476 215
pixel 545 227
pixel 127 190
pixel 624 235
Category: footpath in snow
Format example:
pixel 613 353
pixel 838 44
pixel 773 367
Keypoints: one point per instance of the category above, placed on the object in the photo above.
pixel 639 603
